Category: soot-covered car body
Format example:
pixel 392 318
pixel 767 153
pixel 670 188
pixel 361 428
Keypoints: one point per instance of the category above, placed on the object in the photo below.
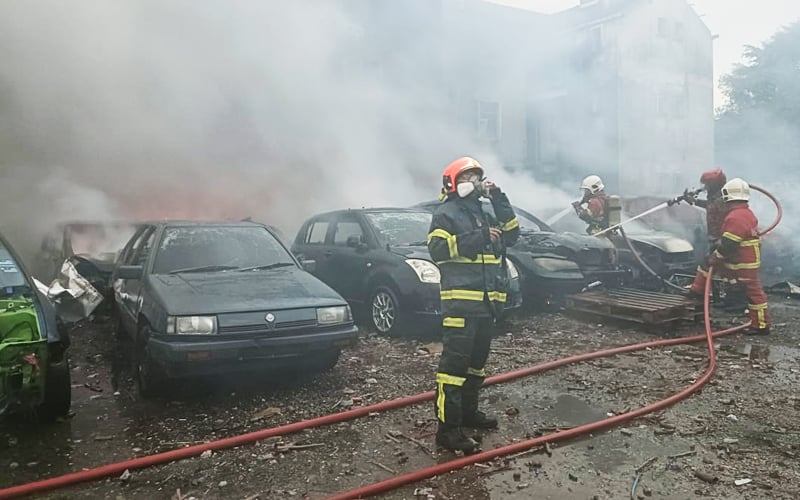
pixel 205 298
pixel 378 260
pixel 553 264
pixel 34 369
pixel 665 253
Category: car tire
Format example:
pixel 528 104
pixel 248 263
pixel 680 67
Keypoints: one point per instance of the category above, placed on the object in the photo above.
pixel 57 391
pixel 383 311
pixel 147 374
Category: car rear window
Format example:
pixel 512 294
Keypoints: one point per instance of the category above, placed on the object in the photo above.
pixel 229 247
pixel 401 228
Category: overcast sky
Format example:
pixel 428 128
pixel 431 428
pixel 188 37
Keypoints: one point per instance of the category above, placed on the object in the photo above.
pixel 737 23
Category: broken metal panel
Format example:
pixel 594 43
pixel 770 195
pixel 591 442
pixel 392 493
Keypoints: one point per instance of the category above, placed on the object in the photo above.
pixel 635 305
pixel 72 295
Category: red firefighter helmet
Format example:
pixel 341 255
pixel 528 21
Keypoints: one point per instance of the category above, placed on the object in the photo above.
pixel 458 167
pixel 714 179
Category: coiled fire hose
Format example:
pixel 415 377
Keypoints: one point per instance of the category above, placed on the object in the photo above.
pixel 115 469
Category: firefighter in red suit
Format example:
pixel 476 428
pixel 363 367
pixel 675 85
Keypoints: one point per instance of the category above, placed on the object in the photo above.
pixel 596 201
pixel 739 252
pixel 716 209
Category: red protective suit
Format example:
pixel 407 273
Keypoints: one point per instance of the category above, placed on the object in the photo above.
pixel 739 252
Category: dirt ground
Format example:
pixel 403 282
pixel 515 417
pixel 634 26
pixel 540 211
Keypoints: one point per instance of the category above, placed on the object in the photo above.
pixel 744 425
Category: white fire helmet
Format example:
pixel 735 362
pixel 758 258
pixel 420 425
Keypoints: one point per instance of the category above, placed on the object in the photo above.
pixel 736 190
pixel 593 184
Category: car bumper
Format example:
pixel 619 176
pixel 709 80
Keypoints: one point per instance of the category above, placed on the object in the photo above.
pixel 177 358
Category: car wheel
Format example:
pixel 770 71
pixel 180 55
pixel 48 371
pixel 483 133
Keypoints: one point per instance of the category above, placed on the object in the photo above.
pixel 57 391
pixel 147 374
pixel 384 311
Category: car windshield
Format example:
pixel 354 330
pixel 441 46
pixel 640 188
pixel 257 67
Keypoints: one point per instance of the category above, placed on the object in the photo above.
pixel 401 228
pixel 217 249
pixel 10 274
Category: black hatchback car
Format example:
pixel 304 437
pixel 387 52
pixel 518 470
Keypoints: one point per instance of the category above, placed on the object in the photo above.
pixel 378 260
pixel 202 298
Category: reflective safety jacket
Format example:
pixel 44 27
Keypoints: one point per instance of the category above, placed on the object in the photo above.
pixel 740 248
pixel 716 210
pixel 472 267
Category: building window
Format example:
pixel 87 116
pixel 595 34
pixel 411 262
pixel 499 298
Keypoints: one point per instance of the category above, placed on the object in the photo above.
pixel 663 27
pixel 488 120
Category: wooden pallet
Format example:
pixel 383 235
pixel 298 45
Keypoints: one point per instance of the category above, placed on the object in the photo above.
pixel 639 306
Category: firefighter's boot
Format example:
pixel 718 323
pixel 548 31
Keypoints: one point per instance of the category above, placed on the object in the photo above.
pixel 452 437
pixel 472 417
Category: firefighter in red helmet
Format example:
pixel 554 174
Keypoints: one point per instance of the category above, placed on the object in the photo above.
pixel 716 209
pixel 739 252
pixel 468 244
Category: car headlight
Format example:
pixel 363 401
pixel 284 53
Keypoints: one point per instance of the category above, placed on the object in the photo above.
pixel 192 325
pixel 334 315
pixel 556 265
pixel 427 272
pixel 513 273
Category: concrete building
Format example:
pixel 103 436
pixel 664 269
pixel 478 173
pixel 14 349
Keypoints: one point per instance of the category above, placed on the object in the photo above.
pixel 622 88
pixel 633 100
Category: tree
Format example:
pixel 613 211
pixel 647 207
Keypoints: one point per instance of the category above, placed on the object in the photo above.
pixel 758 129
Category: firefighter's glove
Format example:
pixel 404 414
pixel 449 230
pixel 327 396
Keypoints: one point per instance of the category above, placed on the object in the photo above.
pixel 577 206
pixel 689 196
pixel 495 234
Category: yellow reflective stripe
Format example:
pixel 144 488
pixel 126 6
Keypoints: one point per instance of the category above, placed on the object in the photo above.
pixel 454 322
pixel 440 402
pixel 476 373
pixel 452 242
pixel 732 236
pixel 461 295
pixel 717 254
pixel 702 271
pixel 749 243
pixel 473 295
pixel 750 266
pixel 443 378
pixel 480 259
pixel 757 307
pixel 512 224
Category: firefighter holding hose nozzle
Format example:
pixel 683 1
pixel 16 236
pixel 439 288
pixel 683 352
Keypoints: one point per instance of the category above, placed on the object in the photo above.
pixel 596 200
pixel 468 246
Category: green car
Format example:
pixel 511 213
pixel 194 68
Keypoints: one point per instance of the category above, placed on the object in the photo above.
pixel 34 370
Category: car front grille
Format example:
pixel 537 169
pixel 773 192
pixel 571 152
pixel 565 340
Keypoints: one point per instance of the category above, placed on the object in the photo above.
pixel 678 257
pixel 286 326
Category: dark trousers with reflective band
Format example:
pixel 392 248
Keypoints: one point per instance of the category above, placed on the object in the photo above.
pixel 460 376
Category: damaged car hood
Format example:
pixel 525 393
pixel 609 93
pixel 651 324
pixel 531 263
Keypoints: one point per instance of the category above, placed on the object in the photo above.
pixel 412 252
pixel 546 240
pixel 216 293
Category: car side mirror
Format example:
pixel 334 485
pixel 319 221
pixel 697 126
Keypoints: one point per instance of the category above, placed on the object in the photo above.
pixel 130 272
pixel 309 265
pixel 356 242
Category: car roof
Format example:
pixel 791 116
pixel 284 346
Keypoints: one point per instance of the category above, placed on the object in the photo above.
pixel 202 223
pixel 373 210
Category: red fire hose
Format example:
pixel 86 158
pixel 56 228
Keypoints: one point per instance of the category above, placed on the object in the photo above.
pixel 118 468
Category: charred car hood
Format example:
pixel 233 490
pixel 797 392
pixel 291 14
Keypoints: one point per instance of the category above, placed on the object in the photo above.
pixel 573 241
pixel 218 293
pixel 663 241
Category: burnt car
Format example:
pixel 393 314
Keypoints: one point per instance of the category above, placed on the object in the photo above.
pixel 663 252
pixel 34 369
pixel 92 247
pixel 206 298
pixel 553 264
pixel 378 260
